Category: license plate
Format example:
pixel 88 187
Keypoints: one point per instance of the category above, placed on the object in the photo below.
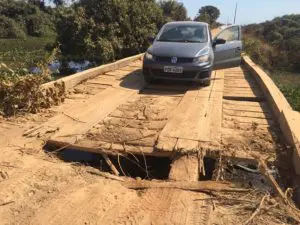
pixel 173 69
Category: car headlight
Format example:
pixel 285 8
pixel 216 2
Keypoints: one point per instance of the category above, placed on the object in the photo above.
pixel 201 59
pixel 149 56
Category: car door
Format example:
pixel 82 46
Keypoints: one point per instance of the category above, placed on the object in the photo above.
pixel 227 47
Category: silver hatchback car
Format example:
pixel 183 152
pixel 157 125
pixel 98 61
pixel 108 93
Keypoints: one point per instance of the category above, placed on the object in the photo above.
pixel 187 51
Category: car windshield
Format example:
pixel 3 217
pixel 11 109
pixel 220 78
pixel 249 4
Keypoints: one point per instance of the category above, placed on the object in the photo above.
pixel 184 33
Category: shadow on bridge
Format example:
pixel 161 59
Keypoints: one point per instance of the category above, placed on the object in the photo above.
pixel 159 87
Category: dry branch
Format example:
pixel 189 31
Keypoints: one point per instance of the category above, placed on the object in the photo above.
pixel 265 172
pixel 106 175
pixel 121 166
pixel 30 131
pixel 60 149
pixel 257 210
pixel 75 119
pixel 190 186
pixel 6 203
pixel 110 164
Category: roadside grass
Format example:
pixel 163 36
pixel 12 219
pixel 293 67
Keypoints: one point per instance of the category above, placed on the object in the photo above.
pixel 289 84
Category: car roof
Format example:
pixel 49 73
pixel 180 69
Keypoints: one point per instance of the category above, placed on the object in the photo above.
pixel 186 23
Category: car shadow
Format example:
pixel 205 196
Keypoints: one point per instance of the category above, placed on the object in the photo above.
pixel 135 81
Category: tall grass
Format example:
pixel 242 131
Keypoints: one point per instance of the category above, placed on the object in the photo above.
pixel 289 84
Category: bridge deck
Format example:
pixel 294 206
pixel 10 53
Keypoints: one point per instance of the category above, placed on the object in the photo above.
pixel 124 115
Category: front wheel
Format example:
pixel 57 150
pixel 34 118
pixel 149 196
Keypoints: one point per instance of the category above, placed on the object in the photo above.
pixel 206 83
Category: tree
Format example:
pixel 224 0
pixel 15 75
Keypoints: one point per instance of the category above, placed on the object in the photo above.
pixel 58 2
pixel 38 3
pixel 208 14
pixel 10 29
pixel 108 29
pixel 173 10
pixel 26 17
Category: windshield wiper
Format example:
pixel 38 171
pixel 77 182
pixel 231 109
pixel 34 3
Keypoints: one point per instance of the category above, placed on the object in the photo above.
pixel 191 41
pixel 168 40
pixel 181 41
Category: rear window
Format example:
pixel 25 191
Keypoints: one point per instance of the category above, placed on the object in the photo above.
pixel 184 33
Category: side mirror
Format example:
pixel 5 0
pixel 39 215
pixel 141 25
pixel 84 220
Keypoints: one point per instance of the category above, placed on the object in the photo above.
pixel 219 41
pixel 151 39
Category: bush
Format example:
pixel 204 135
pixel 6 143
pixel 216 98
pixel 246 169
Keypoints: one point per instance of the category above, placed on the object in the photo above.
pixel 10 29
pixel 282 38
pixel 260 52
pixel 107 30
pixel 21 17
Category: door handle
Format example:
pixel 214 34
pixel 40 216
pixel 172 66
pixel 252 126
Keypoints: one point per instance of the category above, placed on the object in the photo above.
pixel 238 48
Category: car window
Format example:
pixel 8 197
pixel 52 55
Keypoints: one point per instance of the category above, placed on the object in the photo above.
pixel 230 34
pixel 184 33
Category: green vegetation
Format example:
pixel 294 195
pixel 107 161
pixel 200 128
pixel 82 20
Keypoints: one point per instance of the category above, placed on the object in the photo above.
pixel 25 53
pixel 289 84
pixel 275 45
pixel 20 19
pixel 208 14
pixel 173 11
pixel 107 30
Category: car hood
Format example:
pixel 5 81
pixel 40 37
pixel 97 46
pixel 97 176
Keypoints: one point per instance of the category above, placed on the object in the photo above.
pixel 177 49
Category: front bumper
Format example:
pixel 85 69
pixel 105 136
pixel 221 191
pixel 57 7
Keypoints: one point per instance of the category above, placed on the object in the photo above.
pixel 191 71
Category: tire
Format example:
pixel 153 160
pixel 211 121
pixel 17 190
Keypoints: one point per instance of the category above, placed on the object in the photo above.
pixel 206 83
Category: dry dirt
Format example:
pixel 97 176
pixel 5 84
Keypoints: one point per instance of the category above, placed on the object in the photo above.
pixel 38 188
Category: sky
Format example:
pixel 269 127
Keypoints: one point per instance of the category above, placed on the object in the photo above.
pixel 249 11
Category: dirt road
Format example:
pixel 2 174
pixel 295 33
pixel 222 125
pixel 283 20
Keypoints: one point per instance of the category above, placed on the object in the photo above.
pixel 117 113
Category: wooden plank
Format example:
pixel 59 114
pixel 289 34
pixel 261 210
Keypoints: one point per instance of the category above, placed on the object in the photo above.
pixel 260 115
pixel 239 119
pixel 103 81
pixel 108 148
pixel 184 168
pixel 248 104
pixel 166 143
pixel 118 73
pixel 197 118
pixel 77 119
pixel 71 81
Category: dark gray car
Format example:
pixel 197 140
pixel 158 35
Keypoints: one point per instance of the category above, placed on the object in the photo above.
pixel 186 51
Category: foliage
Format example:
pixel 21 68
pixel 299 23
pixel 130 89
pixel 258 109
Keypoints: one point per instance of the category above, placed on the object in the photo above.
pixel 25 53
pixel 208 14
pixel 173 10
pixel 259 51
pixel 289 84
pixel 10 29
pixel 19 18
pixel 282 36
pixel 275 45
pixel 107 30
pixel 21 91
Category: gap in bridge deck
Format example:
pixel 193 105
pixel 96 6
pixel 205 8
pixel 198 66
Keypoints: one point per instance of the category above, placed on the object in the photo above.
pixel 132 165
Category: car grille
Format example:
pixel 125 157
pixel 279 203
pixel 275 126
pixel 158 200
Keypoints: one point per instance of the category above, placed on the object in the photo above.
pixel 168 59
pixel 184 75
